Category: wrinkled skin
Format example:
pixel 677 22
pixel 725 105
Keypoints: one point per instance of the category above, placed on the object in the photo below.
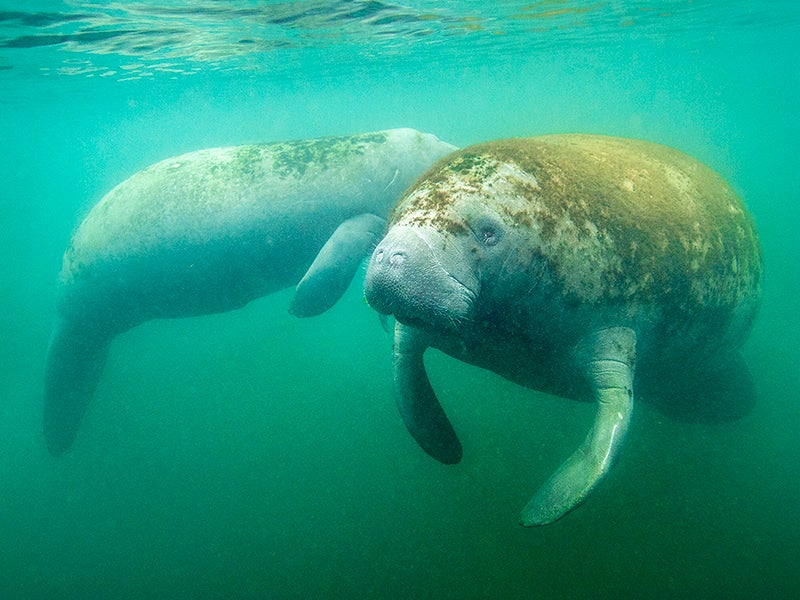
pixel 566 264
pixel 211 230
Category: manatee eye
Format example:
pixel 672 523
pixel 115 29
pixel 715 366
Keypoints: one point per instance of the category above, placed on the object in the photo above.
pixel 488 237
pixel 487 230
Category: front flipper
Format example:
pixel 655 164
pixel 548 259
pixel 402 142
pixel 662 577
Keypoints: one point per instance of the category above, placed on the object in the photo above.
pixel 419 407
pixel 606 359
pixel 335 265
pixel 75 361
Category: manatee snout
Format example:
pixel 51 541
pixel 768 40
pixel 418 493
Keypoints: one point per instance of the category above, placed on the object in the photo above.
pixel 390 273
pixel 409 277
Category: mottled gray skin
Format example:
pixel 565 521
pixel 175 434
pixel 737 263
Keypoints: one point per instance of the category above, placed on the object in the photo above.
pixel 211 230
pixel 565 263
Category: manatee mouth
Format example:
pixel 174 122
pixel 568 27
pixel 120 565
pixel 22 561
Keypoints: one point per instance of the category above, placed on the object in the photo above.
pixel 418 291
pixel 430 318
pixel 433 320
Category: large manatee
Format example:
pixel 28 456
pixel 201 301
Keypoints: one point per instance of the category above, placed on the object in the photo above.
pixel 211 230
pixel 560 262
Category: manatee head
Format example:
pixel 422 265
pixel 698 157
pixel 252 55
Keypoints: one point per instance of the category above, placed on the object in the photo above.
pixel 455 246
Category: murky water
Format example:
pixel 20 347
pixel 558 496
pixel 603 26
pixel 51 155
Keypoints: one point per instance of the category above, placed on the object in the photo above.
pixel 252 454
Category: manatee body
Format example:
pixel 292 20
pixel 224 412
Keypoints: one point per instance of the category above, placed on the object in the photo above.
pixel 561 263
pixel 211 230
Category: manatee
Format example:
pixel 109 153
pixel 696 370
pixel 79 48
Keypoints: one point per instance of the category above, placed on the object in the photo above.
pixel 565 263
pixel 211 230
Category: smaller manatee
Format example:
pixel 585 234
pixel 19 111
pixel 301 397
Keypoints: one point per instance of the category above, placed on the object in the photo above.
pixel 211 230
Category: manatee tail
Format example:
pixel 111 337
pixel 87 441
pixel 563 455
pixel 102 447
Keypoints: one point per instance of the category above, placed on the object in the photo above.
pixel 75 361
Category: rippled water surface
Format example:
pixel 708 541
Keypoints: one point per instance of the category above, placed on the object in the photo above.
pixel 253 454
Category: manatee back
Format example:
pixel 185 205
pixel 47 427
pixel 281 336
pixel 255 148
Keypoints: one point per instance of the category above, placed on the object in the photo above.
pixel 207 195
pixel 631 233
pixel 204 232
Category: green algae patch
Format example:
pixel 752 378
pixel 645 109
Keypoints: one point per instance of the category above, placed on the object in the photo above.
pixel 295 158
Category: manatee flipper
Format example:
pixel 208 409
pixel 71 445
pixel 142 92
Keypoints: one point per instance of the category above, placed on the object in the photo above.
pixel 606 359
pixel 335 265
pixel 75 361
pixel 416 400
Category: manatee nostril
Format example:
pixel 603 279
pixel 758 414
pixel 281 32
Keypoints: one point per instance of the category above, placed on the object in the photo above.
pixel 398 258
pixel 378 255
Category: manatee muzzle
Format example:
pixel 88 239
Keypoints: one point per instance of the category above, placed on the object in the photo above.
pixel 406 278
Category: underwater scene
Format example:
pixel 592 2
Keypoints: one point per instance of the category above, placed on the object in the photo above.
pixel 181 419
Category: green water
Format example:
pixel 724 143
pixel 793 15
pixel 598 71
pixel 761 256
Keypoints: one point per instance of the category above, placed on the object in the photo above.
pixel 252 454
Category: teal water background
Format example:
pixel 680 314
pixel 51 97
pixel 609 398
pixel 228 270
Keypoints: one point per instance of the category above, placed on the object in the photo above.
pixel 252 454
